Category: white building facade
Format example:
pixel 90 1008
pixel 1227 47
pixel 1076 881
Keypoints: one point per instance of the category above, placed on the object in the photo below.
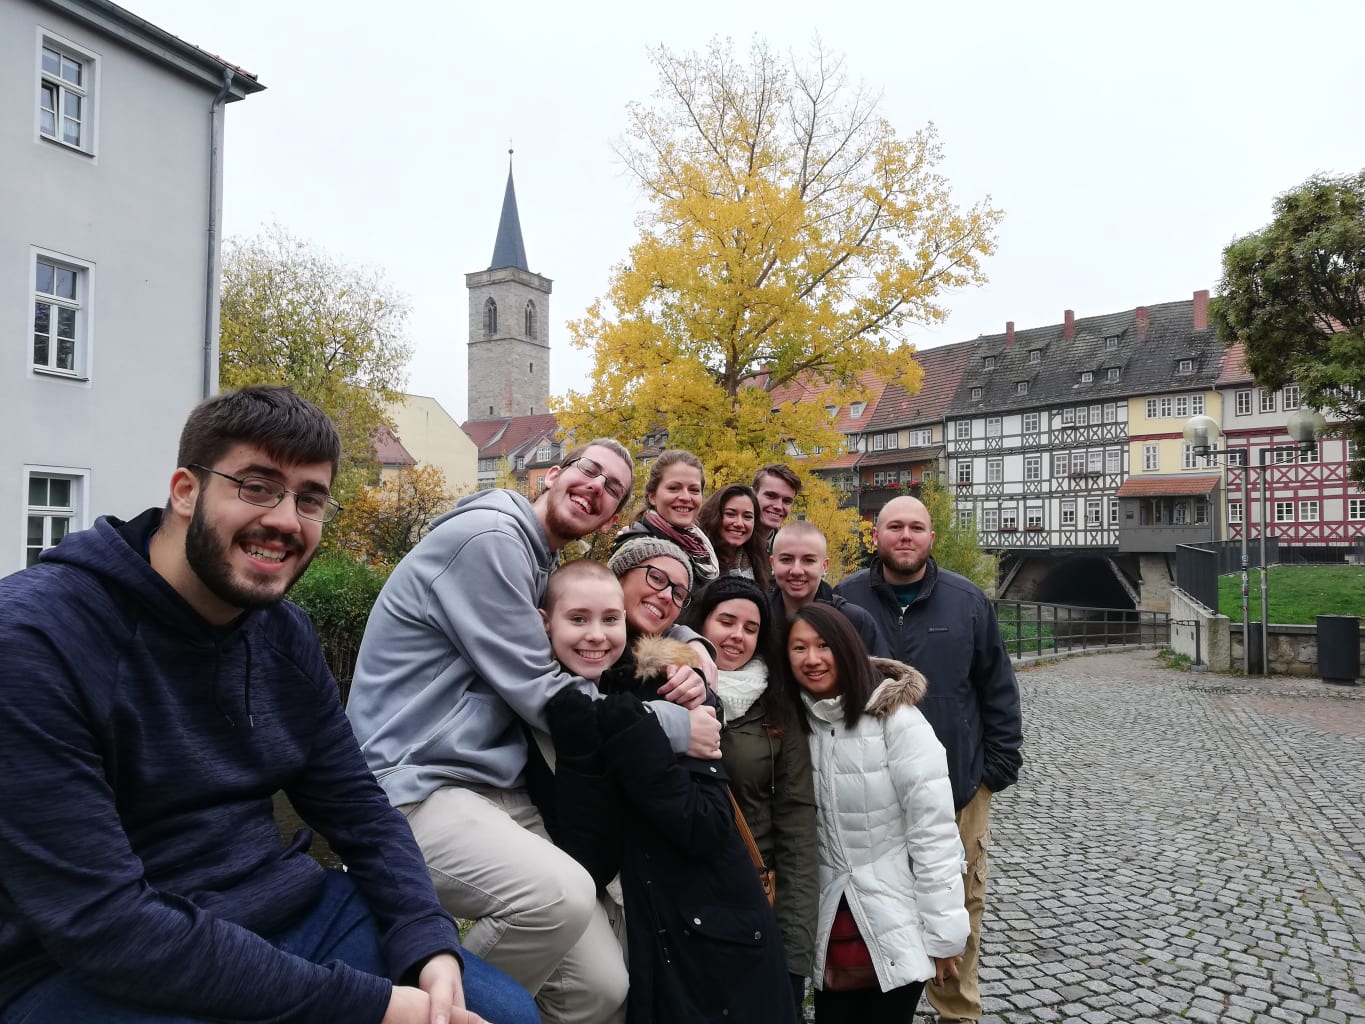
pixel 110 158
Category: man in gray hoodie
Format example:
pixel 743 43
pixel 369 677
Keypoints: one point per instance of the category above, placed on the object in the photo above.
pixel 454 659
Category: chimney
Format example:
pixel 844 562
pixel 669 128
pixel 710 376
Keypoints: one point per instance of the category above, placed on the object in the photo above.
pixel 1070 330
pixel 1143 319
pixel 1009 332
pixel 1201 309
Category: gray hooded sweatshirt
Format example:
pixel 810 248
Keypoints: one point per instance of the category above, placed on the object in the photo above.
pixel 455 654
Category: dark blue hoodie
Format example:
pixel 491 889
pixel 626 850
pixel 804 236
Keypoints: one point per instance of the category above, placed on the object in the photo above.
pixel 142 747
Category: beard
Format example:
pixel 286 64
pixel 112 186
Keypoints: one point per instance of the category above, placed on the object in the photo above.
pixel 209 555
pixel 904 564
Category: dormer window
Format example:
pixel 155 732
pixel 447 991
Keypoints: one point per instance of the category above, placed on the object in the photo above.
pixel 1087 377
pixel 1111 374
pixel 1111 342
pixel 1021 387
pixel 855 411
pixel 1035 357
pixel 830 410
pixel 988 363
pixel 976 394
pixel 1185 366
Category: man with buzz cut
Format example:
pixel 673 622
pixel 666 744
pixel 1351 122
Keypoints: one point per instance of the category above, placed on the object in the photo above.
pixel 156 692
pixel 800 558
pixel 945 626
pixel 454 660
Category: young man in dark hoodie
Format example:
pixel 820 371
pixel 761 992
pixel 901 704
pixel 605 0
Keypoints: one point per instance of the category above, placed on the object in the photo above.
pixel 800 557
pixel 157 692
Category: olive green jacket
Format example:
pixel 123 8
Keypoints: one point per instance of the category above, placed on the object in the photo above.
pixel 770 774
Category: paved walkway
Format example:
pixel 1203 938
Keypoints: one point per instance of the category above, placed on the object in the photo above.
pixel 1181 847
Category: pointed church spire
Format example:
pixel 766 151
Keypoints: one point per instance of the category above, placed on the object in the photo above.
pixel 508 250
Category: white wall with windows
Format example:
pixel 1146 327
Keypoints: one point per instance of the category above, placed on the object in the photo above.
pixel 104 156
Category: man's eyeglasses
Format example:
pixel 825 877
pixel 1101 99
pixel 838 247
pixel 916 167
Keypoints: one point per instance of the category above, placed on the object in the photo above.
pixel 255 490
pixel 658 579
pixel 592 471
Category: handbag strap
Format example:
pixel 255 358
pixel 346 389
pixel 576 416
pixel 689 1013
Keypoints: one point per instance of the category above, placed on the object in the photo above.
pixel 745 834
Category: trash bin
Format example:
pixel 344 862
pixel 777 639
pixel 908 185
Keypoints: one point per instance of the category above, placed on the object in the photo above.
pixel 1256 653
pixel 1339 648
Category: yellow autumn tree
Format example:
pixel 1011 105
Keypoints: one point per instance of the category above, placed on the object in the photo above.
pixel 791 234
pixel 383 522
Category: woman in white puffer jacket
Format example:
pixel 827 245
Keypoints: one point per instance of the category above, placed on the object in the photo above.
pixel 891 909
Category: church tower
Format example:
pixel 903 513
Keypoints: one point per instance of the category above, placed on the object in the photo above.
pixel 509 326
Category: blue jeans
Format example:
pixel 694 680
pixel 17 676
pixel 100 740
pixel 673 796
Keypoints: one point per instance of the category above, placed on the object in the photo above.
pixel 339 928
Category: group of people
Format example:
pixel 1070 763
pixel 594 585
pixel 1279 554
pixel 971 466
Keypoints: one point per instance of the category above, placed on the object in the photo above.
pixel 568 757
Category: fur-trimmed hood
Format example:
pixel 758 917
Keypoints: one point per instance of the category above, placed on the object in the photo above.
pixel 902 686
pixel 653 655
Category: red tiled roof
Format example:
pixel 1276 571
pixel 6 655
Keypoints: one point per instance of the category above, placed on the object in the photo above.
pixel 390 451
pixel 806 390
pixel 894 456
pixel 1234 369
pixel 943 368
pixel 498 438
pixel 1166 486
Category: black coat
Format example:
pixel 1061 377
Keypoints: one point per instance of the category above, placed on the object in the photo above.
pixel 702 942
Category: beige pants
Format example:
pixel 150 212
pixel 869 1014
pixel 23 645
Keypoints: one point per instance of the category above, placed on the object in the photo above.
pixel 960 998
pixel 535 910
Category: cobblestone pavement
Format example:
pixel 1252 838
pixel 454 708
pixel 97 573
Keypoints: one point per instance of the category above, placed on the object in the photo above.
pixel 1181 847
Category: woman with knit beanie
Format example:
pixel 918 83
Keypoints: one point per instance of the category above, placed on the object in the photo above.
pixel 767 758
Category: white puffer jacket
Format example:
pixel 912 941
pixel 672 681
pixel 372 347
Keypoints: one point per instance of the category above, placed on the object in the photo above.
pixel 888 839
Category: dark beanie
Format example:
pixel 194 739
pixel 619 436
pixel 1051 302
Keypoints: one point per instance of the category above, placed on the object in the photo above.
pixel 729 588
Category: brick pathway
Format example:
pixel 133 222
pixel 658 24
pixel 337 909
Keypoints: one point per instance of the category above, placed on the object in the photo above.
pixel 1182 847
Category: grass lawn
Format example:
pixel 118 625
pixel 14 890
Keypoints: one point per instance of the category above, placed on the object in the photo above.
pixel 1029 631
pixel 1298 593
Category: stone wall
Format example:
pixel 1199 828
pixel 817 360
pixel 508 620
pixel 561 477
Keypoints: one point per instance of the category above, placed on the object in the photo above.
pixel 1200 634
pixel 1293 649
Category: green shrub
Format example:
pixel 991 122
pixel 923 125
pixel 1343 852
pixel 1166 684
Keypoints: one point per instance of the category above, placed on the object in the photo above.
pixel 338 592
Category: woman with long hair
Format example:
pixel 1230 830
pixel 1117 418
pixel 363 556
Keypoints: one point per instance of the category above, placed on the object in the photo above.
pixel 766 756
pixel 728 519
pixel 891 911
pixel 673 498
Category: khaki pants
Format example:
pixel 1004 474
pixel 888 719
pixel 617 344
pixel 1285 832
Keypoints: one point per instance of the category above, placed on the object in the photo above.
pixel 960 998
pixel 535 910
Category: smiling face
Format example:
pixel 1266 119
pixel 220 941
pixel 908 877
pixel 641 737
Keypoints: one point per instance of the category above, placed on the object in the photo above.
pixel 905 538
pixel 586 623
pixel 649 610
pixel 733 627
pixel 573 504
pixel 240 555
pixel 812 661
pixel 678 496
pixel 799 561
pixel 775 498
pixel 737 521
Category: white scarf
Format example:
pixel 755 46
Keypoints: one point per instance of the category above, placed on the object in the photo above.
pixel 739 688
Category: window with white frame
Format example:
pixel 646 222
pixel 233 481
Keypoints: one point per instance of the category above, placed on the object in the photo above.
pixel 1350 451
pixel 1188 458
pixel 964 471
pixel 1201 512
pixel 1182 406
pixel 1061 465
pixel 1166 407
pixel 1069 512
pixel 1308 511
pixel 879 478
pixel 818 449
pixel 995 471
pixel 964 518
pixel 1284 511
pixel 1068 417
pixel 1021 387
pixel 1009 517
pixel 878 442
pixel 51 510
pixel 1243 402
pixel 61 290
pixel 1030 422
pixel 1355 509
pixel 1184 366
pixel 1196 405
pixel 1111 374
pixel 990 519
pixel 1087 376
pixel 1267 400
pixel 1033 517
pixel 893 440
pixel 1033 467
pixel 1082 415
pixel 1094 461
pixel 1093 511
pixel 1284 455
pixel 1150 458
pixel 1111 342
pixel 992 426
pixel 1234 512
pixel 856 410
pixel 962 429
pixel 1077 463
pixel 1236 457
pixel 976 394
pixel 1035 357
pixel 1095 411
pixel 1113 461
pixel 851 442
pixel 920 437
pixel 66 83
pixel 1111 412
pixel 988 362
pixel 1290 397
pixel 543 453
pixel 1311 453
pixel 1180 515
pixel 1113 511
pixel 907 477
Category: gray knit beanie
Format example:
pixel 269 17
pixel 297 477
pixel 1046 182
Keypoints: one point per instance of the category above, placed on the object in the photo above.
pixel 639 550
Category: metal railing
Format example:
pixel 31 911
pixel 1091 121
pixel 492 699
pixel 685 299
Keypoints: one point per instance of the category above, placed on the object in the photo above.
pixel 1196 573
pixel 1030 627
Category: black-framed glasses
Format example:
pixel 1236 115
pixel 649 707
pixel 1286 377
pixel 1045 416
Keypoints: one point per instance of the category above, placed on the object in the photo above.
pixel 658 579
pixel 255 490
pixel 592 470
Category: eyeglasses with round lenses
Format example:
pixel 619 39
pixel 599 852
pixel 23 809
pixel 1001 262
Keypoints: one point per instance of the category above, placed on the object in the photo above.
pixel 658 579
pixel 592 470
pixel 255 490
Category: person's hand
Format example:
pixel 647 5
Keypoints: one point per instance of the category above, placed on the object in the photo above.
pixel 683 687
pixel 945 967
pixel 707 668
pixel 704 733
pixel 442 982
pixel 408 1005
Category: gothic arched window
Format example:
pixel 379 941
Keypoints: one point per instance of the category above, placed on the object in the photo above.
pixel 530 319
pixel 490 317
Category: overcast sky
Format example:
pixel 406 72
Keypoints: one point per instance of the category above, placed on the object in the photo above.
pixel 1126 148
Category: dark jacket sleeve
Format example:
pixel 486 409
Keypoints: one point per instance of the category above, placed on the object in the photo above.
pixel 997 694
pixel 795 854
pixel 71 876
pixel 587 814
pixel 871 634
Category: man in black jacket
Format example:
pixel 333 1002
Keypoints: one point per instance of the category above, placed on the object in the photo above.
pixel 800 557
pixel 944 625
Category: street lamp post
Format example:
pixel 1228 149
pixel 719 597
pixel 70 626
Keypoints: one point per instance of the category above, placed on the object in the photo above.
pixel 1198 430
